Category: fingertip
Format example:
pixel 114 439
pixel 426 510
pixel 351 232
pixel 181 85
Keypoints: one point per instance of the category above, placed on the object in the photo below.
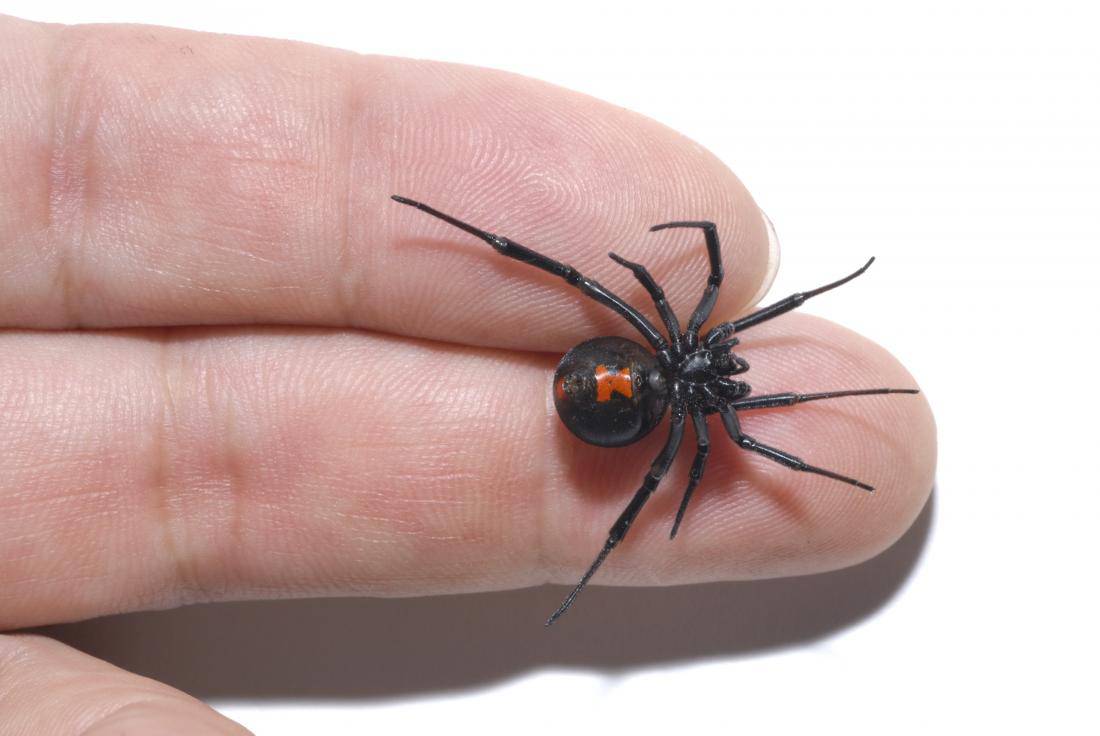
pixel 754 518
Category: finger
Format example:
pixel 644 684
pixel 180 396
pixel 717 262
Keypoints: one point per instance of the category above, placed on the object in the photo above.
pixel 152 469
pixel 161 177
pixel 47 687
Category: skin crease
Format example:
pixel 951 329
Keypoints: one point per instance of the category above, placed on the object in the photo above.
pixel 218 204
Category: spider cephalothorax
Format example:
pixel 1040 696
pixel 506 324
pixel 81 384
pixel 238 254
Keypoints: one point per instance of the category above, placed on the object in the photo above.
pixel 610 391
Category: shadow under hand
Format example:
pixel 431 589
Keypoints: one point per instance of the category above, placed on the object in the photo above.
pixel 378 648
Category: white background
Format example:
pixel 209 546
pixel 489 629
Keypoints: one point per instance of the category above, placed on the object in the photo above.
pixel 958 142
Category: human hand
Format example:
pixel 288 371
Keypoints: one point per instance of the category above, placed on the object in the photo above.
pixel 296 387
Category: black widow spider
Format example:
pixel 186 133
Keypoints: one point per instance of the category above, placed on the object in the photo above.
pixel 610 391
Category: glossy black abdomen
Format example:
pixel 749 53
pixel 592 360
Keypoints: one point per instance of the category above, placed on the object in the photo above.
pixel 609 391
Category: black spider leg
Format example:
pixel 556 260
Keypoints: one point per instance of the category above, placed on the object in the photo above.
pixel 710 294
pixel 522 253
pixel 622 525
pixel 790 399
pixel 697 467
pixel 733 427
pixel 702 438
pixel 724 330
pixel 657 294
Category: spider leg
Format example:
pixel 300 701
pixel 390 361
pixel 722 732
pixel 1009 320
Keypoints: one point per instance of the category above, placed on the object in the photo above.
pixel 710 294
pixel 697 467
pixel 733 427
pixel 724 330
pixel 522 253
pixel 790 399
pixel 656 293
pixel 622 525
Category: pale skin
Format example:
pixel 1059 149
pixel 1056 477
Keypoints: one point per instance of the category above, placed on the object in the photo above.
pixel 231 368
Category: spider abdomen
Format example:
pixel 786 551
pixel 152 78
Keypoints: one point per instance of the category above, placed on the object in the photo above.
pixel 609 391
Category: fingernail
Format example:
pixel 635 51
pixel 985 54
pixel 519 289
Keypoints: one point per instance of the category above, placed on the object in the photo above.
pixel 773 260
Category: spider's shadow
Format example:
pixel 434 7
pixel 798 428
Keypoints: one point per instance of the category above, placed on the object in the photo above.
pixel 368 649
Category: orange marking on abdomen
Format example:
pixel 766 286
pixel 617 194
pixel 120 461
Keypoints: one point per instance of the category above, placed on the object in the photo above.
pixel 608 382
pixel 559 388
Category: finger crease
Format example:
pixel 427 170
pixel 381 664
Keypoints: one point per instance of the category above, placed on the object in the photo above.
pixel 160 483
pixel 74 120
